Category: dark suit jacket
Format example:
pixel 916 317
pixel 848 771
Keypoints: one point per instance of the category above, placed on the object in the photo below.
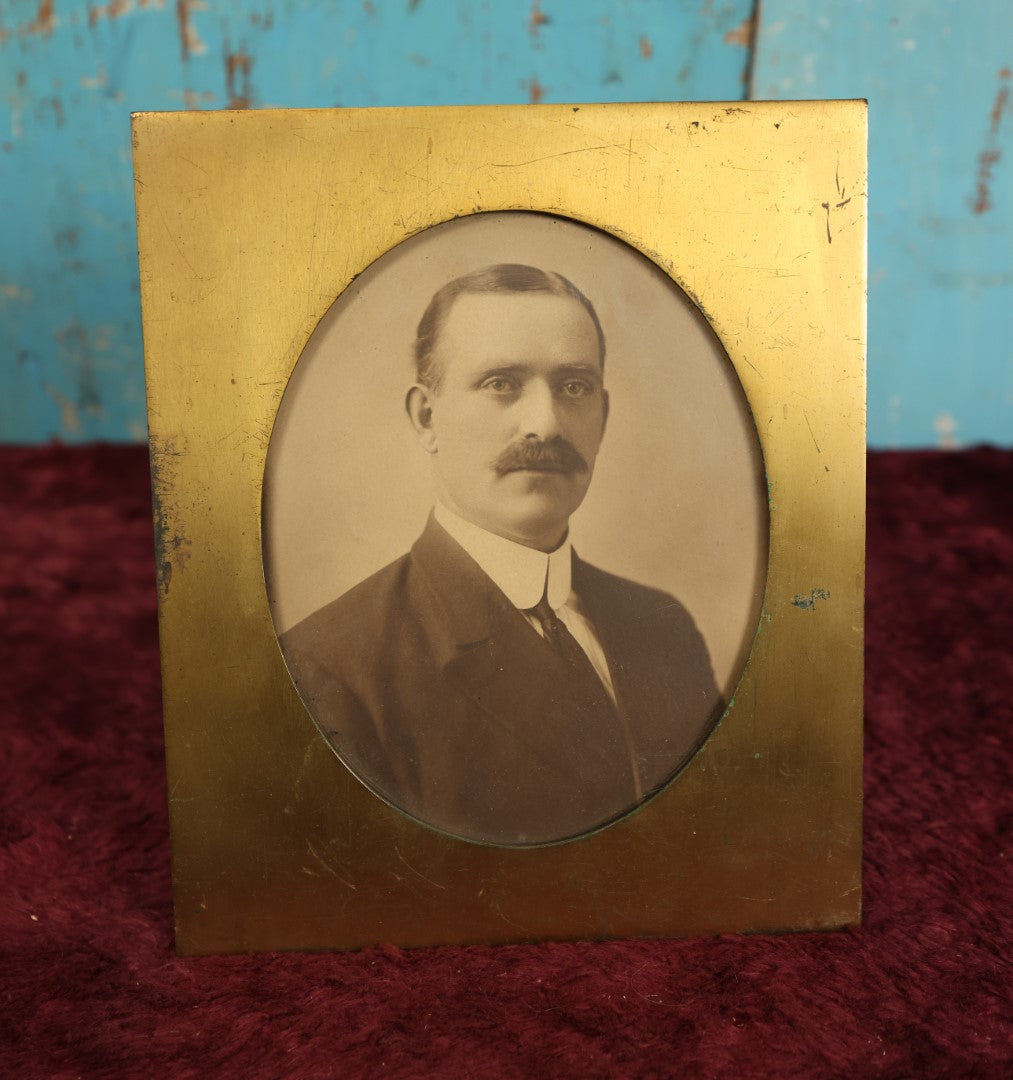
pixel 438 693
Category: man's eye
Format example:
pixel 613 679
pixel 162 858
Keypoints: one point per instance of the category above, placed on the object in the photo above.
pixel 577 388
pixel 498 384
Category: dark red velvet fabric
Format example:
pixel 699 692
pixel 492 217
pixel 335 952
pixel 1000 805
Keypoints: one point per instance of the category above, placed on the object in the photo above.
pixel 89 984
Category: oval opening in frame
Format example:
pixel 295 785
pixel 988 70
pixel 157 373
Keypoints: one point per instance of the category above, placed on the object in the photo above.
pixel 409 632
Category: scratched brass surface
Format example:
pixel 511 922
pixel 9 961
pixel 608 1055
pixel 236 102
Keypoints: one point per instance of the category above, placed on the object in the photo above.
pixel 250 224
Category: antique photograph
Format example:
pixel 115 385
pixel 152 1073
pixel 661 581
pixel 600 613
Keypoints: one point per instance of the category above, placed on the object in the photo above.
pixel 509 498
pixel 515 528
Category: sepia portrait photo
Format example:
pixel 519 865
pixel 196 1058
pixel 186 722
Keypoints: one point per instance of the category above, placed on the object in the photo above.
pixel 515 528
pixel 508 486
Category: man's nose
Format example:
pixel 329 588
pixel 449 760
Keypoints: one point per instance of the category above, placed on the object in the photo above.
pixel 539 412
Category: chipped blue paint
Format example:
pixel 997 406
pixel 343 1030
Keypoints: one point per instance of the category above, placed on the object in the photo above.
pixel 939 79
pixel 71 73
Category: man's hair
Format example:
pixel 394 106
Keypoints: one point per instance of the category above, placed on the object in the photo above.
pixel 501 278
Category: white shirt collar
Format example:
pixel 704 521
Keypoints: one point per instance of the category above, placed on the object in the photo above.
pixel 521 572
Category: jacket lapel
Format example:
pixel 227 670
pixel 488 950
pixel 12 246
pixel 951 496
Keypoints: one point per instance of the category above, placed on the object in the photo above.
pixel 483 644
pixel 660 669
pixel 546 744
pixel 627 645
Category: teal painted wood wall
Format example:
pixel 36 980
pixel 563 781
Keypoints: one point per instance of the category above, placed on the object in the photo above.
pixel 71 73
pixel 939 78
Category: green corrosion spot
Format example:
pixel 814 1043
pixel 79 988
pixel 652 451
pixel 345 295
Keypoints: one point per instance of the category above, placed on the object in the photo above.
pixel 807 603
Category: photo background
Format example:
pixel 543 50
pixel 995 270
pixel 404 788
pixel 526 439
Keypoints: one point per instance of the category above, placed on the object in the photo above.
pixel 678 499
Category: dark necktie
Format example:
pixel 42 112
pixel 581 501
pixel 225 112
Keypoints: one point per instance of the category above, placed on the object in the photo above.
pixel 600 745
pixel 565 644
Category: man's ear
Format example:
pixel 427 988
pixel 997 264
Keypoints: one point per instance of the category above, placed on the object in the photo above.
pixel 604 410
pixel 419 406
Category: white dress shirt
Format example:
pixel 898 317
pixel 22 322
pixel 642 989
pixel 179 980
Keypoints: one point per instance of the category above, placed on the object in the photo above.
pixel 525 576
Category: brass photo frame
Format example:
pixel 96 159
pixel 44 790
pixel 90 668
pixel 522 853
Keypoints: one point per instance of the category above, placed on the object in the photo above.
pixel 258 233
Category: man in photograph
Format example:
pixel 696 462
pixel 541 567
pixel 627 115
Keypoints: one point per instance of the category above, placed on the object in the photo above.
pixel 489 682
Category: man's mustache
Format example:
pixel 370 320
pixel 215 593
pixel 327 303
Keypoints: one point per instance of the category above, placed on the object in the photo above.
pixel 552 455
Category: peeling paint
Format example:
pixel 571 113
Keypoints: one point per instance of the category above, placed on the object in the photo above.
pixel 1001 98
pixel 983 199
pixel 238 66
pixel 78 348
pixel 97 81
pixel 113 10
pixel 44 23
pixel 68 256
pixel 54 104
pixel 89 400
pixel 70 421
pixel 537 21
pixel 190 42
pixel 10 291
pixel 193 99
pixel 946 432
pixel 743 33
pixel 991 155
